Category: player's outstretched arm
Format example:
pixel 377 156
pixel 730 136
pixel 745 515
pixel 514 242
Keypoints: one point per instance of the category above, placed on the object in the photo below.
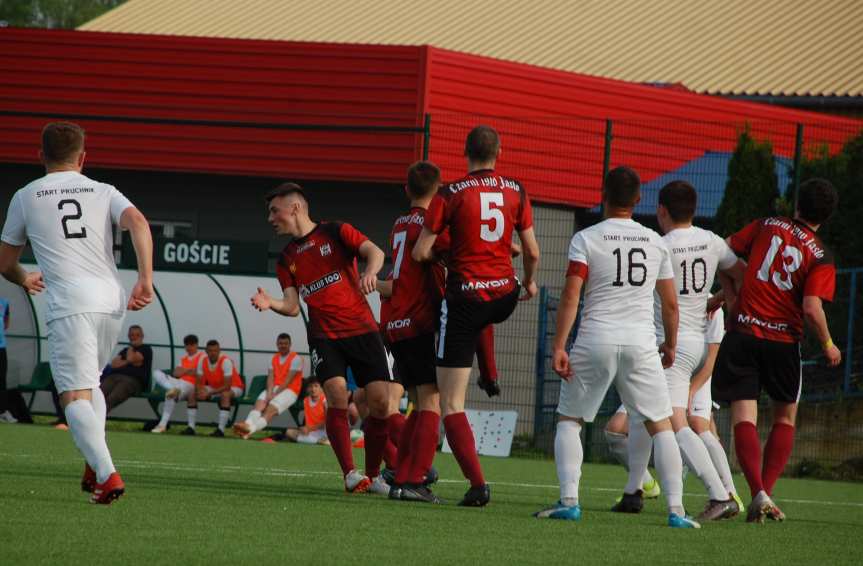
pixel 530 261
pixel 566 314
pixel 14 273
pixel 374 257
pixel 424 246
pixel 288 305
pixel 670 319
pixel 813 312
pixel 142 240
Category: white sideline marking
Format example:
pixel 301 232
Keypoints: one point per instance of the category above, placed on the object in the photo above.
pixel 282 472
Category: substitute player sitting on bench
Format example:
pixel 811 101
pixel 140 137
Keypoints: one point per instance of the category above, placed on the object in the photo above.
pixel 284 381
pixel 217 378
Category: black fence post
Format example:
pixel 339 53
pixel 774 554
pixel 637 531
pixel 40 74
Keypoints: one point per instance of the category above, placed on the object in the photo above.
pixel 798 157
pixel 606 156
pixel 426 136
pixel 541 345
pixel 849 348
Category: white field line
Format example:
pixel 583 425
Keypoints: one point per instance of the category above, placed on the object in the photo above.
pixel 293 473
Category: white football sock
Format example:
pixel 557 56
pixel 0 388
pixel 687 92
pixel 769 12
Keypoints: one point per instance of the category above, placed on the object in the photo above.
pixel 162 379
pixel 719 459
pixel 97 400
pixel 252 420
pixel 167 411
pixel 89 436
pixel 261 423
pixel 669 468
pixel 224 415
pixel 640 445
pixel 192 416
pixel 617 445
pixel 698 460
pixel 568 456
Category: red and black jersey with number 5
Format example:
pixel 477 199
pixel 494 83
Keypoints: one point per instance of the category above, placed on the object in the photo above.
pixel 481 211
pixel 322 266
pixel 786 262
pixel 417 286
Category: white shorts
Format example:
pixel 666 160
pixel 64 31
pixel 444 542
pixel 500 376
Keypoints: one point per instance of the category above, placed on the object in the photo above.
pixel 314 437
pixel 702 402
pixel 237 391
pixel 80 345
pixel 636 372
pixel 688 359
pixel 282 401
pixel 186 389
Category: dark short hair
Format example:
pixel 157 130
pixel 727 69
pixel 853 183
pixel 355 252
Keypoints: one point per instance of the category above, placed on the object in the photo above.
pixel 62 142
pixel 680 199
pixel 310 380
pixel 621 187
pixel 423 179
pixel 817 200
pixel 285 190
pixel 482 144
pixel 190 339
pixel 212 343
pixel 136 326
pixel 284 336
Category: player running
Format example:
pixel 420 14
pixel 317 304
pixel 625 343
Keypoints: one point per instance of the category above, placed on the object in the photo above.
pixel 320 265
pixel 789 274
pixel 68 219
pixel 619 263
pixel 696 254
pixel 481 211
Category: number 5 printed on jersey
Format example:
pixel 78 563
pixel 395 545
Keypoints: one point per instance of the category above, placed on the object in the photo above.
pixel 490 211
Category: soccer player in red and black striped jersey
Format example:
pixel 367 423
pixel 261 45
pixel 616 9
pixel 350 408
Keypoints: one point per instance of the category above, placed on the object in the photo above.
pixel 320 265
pixel 789 274
pixel 481 212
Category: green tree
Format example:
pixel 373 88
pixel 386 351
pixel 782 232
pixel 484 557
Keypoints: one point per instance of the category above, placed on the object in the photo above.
pixel 752 189
pixel 53 13
pixel 844 169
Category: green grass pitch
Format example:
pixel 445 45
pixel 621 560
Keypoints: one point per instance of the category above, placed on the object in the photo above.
pixel 219 501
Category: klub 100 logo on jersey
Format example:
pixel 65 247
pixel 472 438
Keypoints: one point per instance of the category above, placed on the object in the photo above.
pixel 322 283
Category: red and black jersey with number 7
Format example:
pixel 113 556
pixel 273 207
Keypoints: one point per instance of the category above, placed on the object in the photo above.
pixel 322 266
pixel 481 211
pixel 786 261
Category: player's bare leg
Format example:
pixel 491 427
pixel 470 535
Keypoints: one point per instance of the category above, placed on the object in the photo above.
pixel 453 383
pixel 87 425
pixel 338 432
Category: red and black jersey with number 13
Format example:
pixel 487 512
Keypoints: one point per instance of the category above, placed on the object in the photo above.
pixel 786 262
pixel 481 211
pixel 322 266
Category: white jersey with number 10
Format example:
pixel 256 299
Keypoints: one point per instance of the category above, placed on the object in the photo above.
pixel 623 260
pixel 67 218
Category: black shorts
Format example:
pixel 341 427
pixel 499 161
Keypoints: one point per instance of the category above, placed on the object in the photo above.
pixel 364 354
pixel 461 322
pixel 415 358
pixel 745 365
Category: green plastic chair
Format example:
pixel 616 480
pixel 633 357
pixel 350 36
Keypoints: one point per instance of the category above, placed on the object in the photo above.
pixel 39 381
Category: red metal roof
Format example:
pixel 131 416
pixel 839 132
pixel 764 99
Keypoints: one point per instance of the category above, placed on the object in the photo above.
pixel 552 123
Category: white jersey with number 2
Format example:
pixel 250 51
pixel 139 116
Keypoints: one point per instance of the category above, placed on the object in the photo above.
pixel 620 260
pixel 67 217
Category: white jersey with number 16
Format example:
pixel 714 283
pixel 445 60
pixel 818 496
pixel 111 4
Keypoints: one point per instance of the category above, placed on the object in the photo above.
pixel 620 260
pixel 67 218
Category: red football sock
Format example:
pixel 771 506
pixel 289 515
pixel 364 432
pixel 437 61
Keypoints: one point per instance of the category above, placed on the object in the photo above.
pixel 395 425
pixel 376 445
pixel 425 446
pixel 748 447
pixel 338 432
pixel 776 454
pixel 461 441
pixel 391 455
pixel 485 354
pixel 406 449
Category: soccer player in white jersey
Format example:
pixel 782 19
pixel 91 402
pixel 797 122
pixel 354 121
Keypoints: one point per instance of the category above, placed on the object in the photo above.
pixel 68 219
pixel 700 412
pixel 619 263
pixel 695 256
